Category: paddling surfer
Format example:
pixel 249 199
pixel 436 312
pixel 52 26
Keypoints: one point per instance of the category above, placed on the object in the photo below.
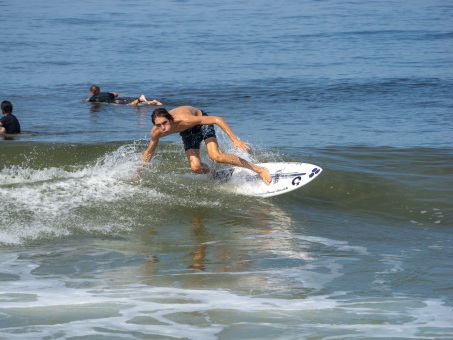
pixel 112 97
pixel 194 126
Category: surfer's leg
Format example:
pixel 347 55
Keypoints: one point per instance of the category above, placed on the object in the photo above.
pixel 143 100
pixel 197 166
pixel 135 102
pixel 218 156
pixel 154 102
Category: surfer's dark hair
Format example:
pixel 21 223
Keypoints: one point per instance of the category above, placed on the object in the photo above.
pixel 95 89
pixel 7 107
pixel 161 112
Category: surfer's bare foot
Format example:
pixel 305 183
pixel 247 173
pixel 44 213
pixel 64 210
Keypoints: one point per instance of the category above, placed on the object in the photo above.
pixel 143 100
pixel 154 102
pixel 265 175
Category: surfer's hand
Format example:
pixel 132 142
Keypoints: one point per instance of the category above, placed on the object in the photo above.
pixel 133 180
pixel 139 171
pixel 239 144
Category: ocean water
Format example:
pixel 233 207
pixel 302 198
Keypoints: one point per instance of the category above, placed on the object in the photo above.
pixel 361 88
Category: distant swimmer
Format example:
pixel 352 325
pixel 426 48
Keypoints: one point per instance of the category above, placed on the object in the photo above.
pixel 112 97
pixel 194 126
pixel 9 123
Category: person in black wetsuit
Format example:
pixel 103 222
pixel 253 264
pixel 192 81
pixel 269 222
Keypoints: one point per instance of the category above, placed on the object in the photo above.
pixel 9 123
pixel 112 97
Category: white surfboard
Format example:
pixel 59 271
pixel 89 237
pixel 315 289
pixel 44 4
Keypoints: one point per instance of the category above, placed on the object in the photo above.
pixel 286 177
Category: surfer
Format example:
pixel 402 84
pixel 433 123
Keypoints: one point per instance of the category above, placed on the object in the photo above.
pixel 112 97
pixel 194 126
pixel 9 123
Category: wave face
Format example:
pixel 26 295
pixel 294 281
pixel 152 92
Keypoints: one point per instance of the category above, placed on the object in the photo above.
pixel 52 190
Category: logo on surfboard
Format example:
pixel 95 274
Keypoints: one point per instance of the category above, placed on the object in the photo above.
pixel 296 180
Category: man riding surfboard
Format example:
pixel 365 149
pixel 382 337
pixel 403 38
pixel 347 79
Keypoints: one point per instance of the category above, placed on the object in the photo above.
pixel 194 126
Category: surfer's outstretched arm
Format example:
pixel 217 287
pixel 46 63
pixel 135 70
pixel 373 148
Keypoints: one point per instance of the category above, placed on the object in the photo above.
pixel 237 143
pixel 149 152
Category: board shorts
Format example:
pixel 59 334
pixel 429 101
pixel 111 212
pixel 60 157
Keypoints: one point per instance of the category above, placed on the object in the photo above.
pixel 193 137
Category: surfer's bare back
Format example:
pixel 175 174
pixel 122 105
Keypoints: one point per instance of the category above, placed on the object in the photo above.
pixel 194 126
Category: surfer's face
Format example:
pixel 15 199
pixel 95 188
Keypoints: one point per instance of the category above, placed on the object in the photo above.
pixel 163 124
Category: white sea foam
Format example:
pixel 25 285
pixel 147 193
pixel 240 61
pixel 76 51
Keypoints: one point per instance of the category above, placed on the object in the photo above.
pixel 37 301
pixel 49 308
pixel 39 202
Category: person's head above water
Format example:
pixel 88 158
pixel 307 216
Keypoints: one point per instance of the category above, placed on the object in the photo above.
pixel 7 107
pixel 161 112
pixel 94 89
